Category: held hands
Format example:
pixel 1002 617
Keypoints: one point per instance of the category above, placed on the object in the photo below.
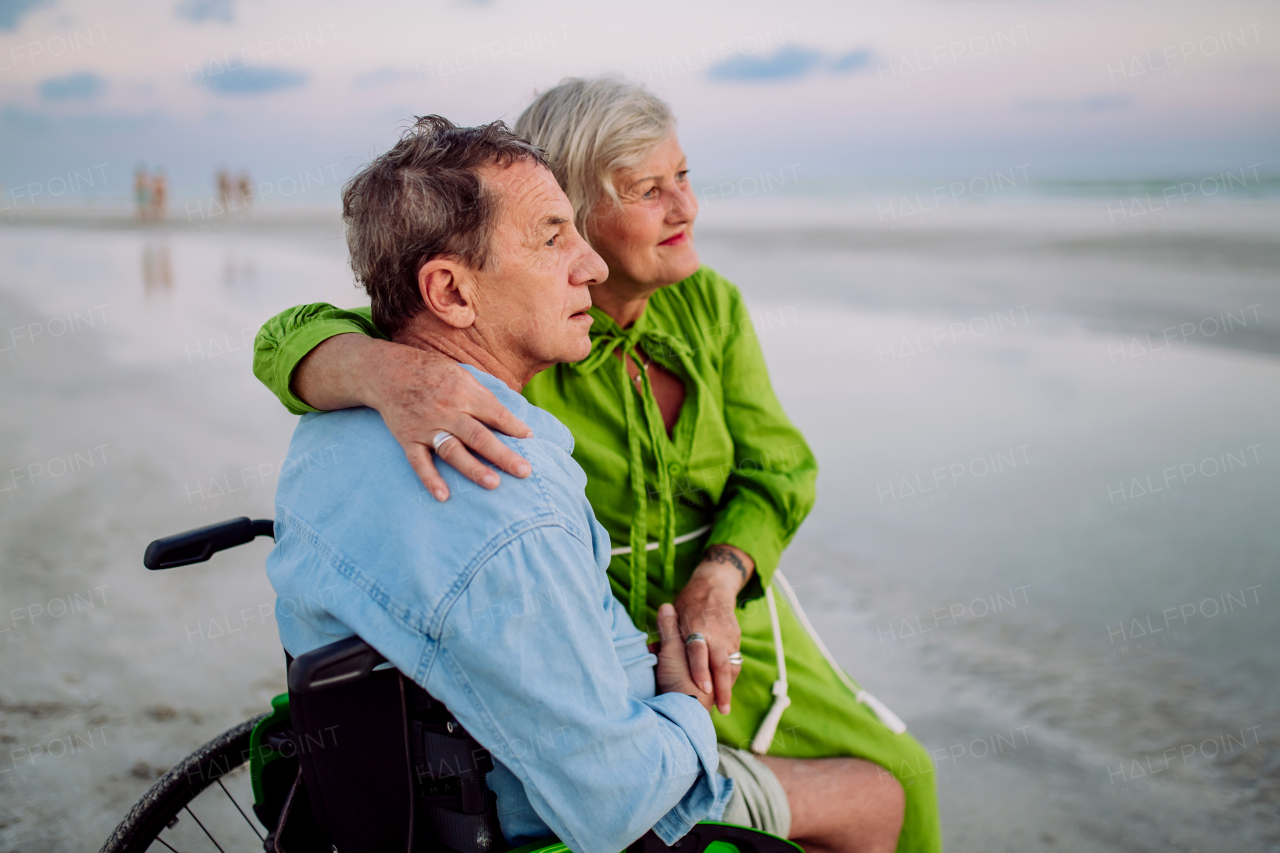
pixel 706 606
pixel 420 394
pixel 672 671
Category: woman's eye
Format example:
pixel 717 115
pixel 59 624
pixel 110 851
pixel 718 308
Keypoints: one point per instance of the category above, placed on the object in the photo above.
pixel 652 193
pixel 682 176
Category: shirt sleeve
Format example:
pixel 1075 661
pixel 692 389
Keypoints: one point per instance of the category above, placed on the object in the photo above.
pixel 631 645
pixel 773 483
pixel 285 339
pixel 528 661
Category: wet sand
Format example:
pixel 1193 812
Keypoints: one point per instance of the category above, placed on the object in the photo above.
pixel 987 605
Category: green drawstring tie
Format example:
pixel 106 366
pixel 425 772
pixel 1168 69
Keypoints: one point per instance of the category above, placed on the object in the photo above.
pixel 606 338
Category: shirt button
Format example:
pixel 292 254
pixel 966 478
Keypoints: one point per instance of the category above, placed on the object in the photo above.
pixel 675 468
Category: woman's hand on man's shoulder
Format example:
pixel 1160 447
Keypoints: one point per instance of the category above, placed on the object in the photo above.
pixel 419 394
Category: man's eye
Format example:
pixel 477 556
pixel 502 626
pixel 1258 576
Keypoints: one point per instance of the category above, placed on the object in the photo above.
pixel 552 241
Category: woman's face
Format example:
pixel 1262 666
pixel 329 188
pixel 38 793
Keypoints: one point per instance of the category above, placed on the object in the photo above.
pixel 649 242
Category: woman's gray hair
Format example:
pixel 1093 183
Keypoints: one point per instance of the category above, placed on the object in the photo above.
pixel 590 129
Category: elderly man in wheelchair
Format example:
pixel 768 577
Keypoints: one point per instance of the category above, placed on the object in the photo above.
pixel 470 683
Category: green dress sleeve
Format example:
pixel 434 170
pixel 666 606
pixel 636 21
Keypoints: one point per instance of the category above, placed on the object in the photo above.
pixel 285 339
pixel 771 487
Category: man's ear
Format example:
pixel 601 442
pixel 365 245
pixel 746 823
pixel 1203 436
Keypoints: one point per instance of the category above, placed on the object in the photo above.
pixel 446 288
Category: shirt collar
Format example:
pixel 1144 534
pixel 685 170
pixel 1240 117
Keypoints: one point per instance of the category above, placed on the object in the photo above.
pixel 606 325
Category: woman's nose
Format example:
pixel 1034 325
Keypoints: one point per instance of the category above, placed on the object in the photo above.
pixel 684 204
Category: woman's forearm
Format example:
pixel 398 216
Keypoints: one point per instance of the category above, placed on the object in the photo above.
pixel 334 374
pixel 288 338
pixel 419 395
pixel 730 564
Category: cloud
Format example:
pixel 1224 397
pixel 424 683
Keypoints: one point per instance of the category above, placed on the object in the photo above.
pixel 13 11
pixel 27 121
pixel 1088 104
pixel 37 122
pixel 82 85
pixel 256 80
pixel 852 61
pixel 199 11
pixel 788 63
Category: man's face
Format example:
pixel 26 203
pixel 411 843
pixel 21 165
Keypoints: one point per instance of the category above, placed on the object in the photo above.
pixel 532 295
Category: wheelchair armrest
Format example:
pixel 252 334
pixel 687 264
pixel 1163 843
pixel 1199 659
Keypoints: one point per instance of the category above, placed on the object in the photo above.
pixel 329 666
pixel 196 546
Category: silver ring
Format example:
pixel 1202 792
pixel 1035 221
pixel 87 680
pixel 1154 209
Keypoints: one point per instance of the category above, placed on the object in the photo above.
pixel 695 637
pixel 440 439
pixel 736 658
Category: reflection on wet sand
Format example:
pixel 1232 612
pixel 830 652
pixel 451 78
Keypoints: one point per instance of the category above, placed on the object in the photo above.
pixel 237 271
pixel 157 268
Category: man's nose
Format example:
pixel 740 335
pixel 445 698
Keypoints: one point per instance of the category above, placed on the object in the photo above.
pixel 589 268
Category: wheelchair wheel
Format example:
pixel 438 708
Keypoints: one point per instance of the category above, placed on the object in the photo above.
pixel 202 803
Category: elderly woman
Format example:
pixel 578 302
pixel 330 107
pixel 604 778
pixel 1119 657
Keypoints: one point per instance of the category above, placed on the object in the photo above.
pixel 692 466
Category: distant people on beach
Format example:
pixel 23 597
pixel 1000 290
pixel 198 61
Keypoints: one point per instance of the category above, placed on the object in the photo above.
pixel 150 194
pixel 142 192
pixel 224 189
pixel 159 196
pixel 233 193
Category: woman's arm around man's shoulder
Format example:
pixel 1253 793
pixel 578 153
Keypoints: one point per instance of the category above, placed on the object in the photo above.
pixel 319 358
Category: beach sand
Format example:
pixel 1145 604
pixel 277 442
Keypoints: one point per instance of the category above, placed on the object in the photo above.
pixel 996 540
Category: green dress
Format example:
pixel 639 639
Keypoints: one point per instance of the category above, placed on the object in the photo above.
pixel 733 463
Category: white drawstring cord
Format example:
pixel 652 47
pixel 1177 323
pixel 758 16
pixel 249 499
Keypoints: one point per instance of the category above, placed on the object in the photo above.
pixel 890 719
pixel 769 725
pixel 653 546
pixel 781 701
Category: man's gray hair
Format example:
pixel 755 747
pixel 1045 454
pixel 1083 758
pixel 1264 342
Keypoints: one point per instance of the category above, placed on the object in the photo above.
pixel 420 200
pixel 589 130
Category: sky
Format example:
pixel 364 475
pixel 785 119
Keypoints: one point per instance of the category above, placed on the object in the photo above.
pixel 300 94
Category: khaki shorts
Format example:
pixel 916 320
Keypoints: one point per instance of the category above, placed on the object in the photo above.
pixel 758 800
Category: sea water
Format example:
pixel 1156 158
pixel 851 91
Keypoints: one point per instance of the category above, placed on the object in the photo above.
pixel 1045 530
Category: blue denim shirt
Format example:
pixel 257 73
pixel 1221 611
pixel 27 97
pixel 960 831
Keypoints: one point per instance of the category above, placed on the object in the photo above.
pixel 497 603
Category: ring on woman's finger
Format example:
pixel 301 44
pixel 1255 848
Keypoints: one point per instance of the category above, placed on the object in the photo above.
pixel 440 439
pixel 736 658
pixel 695 637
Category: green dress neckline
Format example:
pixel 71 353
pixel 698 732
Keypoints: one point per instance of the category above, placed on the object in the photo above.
pixel 607 337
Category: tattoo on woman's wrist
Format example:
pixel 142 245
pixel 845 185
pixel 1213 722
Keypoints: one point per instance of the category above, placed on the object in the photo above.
pixel 725 554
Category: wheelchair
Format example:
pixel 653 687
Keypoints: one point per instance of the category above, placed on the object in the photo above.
pixel 354 758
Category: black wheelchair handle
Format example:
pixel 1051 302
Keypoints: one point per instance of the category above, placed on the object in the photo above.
pixel 196 546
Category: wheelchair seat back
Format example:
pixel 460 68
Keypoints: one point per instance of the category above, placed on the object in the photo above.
pixel 382 765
